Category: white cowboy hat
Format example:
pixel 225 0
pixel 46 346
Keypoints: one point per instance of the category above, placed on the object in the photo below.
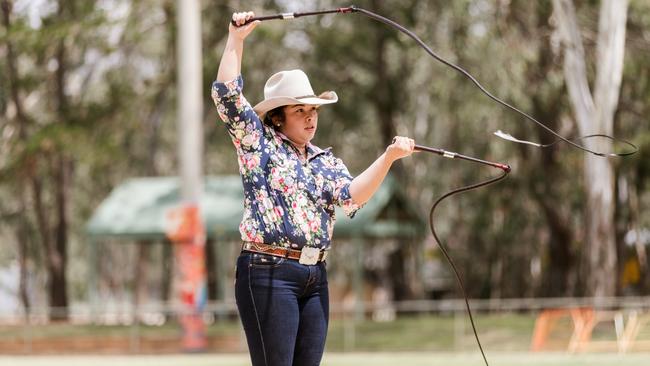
pixel 290 87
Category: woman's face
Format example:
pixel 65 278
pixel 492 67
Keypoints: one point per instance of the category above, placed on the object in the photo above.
pixel 300 122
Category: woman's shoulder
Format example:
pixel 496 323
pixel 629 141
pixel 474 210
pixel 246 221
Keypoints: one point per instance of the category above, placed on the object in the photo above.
pixel 225 88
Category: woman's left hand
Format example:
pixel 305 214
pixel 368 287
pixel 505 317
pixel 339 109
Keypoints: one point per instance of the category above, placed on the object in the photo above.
pixel 400 148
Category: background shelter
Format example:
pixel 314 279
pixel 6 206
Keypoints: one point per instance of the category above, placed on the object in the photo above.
pixel 135 212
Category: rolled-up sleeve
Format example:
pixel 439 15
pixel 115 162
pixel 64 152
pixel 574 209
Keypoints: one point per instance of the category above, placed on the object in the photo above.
pixel 342 196
pixel 244 126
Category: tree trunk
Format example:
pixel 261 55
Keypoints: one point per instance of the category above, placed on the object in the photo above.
pixel 22 236
pixel 557 274
pixel 639 245
pixel 383 103
pixel 600 256
pixel 595 115
pixel 58 254
pixel 61 167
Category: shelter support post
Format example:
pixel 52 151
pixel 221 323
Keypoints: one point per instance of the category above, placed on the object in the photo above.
pixel 357 278
pixel 92 290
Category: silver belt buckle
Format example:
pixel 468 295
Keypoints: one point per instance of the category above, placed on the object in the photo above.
pixel 309 256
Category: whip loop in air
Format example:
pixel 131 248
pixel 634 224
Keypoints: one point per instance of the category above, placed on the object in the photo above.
pixel 571 142
pixel 505 169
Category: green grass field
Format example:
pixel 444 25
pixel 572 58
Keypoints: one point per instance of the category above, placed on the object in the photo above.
pixel 425 333
pixel 431 340
pixel 343 359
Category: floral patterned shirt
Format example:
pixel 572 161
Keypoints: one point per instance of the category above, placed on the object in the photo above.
pixel 288 200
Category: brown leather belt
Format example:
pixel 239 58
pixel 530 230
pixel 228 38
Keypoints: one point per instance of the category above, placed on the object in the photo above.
pixel 315 255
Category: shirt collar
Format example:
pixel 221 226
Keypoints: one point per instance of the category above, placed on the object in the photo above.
pixel 312 150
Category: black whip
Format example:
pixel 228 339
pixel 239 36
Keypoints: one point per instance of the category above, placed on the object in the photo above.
pixel 353 9
pixel 505 169
pixel 453 155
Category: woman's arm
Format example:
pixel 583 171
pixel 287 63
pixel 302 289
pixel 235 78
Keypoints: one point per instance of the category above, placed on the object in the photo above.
pixel 244 126
pixel 230 65
pixel 367 183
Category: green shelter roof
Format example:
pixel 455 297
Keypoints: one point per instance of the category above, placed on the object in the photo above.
pixel 136 209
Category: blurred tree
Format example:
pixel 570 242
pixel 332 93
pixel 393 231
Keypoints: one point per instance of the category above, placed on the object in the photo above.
pixel 45 164
pixel 594 114
pixel 22 224
pixel 79 75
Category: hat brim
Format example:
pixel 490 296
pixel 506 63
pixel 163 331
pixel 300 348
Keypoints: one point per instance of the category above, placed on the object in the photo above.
pixel 264 106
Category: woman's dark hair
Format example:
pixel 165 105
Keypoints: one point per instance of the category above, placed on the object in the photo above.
pixel 277 113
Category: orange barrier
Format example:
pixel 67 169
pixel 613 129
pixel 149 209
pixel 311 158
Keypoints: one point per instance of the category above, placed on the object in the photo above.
pixel 185 230
pixel 584 320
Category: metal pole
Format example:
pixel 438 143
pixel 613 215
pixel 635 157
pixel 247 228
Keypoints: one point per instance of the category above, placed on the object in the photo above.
pixel 190 99
pixel 188 233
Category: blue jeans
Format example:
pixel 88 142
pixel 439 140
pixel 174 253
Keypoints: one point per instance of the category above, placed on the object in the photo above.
pixel 284 308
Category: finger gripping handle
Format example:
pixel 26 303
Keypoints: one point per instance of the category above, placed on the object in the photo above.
pixel 268 17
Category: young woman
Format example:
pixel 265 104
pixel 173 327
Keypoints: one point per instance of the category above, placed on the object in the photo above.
pixel 291 188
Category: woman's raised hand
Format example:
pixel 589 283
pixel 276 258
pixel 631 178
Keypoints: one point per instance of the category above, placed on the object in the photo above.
pixel 239 31
pixel 401 147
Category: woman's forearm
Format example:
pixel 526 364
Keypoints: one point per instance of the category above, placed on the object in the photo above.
pixel 230 65
pixel 366 184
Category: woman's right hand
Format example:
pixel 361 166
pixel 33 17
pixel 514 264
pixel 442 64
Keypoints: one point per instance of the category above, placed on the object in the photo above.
pixel 401 147
pixel 241 32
